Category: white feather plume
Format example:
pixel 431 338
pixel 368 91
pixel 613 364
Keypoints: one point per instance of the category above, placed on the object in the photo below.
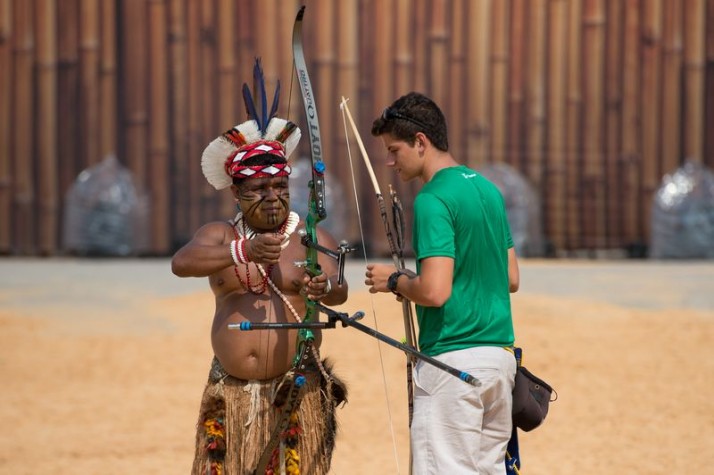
pixel 275 126
pixel 213 160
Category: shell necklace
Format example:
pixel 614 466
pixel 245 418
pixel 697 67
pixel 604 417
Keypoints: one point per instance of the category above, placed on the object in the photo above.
pixel 242 230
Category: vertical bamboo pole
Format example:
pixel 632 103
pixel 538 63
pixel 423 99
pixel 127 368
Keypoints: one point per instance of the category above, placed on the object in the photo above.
pixel 208 85
pixel 455 108
pixel 383 95
pixel 158 125
pixel 322 21
pixel 403 47
pixel 671 85
pixel 709 87
pixel 478 121
pixel 178 126
pixel 381 58
pixel 48 206
pixel 6 74
pixel 404 18
pixel 266 46
pixel 134 101
pixel 89 68
pixel 248 47
pixel 196 138
pixel 286 18
pixel 415 13
pixel 367 106
pixel 535 90
pixel 179 145
pixel 364 107
pixel 108 80
pixel 438 51
pixel 68 93
pixel 499 80
pixel 573 131
pixel 630 184
pixel 516 81
pixel 228 83
pixel 694 93
pixel 613 120
pixel 593 195
pixel 553 192
pixel 348 81
pixel 283 56
pixel 651 105
pixel 420 11
pixel 23 137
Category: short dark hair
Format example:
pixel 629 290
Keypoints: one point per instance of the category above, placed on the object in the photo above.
pixel 413 112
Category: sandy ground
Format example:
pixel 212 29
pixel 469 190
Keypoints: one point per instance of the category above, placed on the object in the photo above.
pixel 102 363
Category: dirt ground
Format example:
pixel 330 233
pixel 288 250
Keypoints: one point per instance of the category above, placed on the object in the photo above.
pixel 102 364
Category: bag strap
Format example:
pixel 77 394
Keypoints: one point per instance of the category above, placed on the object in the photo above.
pixel 518 353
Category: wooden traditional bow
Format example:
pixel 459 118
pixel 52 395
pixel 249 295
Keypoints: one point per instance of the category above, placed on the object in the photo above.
pixel 396 250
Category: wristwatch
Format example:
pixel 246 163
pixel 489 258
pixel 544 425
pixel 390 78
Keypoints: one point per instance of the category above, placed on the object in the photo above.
pixel 392 281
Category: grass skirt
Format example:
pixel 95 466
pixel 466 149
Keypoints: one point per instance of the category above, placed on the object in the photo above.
pixel 237 417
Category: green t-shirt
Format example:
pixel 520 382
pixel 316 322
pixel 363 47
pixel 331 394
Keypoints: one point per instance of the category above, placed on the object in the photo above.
pixel 462 215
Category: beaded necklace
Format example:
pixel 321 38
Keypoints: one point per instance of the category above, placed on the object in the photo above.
pixel 286 229
pixel 241 229
pixel 293 311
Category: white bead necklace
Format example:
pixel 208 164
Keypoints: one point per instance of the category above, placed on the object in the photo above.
pixel 246 231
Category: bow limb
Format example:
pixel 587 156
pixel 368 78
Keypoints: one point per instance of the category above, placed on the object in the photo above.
pixel 316 208
pixel 360 144
pixel 394 249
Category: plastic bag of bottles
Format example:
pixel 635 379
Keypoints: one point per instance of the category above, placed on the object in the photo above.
pixel 522 207
pixel 683 214
pixel 301 174
pixel 105 214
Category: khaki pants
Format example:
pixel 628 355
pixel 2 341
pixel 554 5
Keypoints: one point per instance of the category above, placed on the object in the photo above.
pixel 458 428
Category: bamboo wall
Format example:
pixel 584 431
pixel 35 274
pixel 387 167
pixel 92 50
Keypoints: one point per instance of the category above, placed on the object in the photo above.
pixel 592 100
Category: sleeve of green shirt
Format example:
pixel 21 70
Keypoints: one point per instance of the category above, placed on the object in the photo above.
pixel 433 228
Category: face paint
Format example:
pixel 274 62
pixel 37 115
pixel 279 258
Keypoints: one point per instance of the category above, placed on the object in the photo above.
pixel 265 202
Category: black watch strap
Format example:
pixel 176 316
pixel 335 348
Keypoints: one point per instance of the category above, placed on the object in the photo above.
pixel 392 281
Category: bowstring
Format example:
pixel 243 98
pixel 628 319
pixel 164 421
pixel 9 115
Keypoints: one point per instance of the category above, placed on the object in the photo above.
pixel 371 296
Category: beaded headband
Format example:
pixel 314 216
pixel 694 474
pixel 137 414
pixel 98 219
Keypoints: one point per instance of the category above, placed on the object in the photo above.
pixel 264 134
pixel 235 169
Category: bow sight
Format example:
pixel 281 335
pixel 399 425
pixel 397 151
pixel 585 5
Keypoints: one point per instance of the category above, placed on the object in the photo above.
pixel 338 255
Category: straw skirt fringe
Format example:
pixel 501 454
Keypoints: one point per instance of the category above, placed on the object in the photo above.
pixel 236 420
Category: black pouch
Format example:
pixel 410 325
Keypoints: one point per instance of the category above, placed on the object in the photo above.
pixel 531 398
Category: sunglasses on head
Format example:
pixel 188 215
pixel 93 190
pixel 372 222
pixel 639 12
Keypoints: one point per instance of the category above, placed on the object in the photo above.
pixel 390 113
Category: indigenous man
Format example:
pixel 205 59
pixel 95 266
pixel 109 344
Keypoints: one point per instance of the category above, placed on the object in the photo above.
pixel 250 265
pixel 466 266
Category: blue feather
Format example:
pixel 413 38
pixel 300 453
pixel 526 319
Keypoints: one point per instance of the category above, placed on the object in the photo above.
pixel 276 99
pixel 259 84
pixel 249 104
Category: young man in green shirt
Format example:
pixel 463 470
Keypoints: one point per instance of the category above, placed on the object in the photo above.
pixel 466 269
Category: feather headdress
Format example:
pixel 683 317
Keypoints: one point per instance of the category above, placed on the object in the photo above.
pixel 262 134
